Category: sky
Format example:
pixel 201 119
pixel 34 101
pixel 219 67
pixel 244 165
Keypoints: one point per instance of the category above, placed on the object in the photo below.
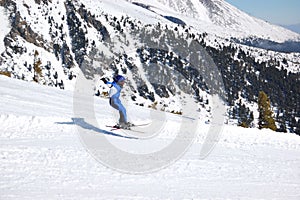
pixel 281 12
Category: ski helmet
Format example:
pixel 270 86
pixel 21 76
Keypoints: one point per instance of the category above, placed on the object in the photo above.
pixel 119 78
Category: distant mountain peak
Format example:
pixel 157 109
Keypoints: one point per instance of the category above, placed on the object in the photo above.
pixel 220 18
pixel 293 27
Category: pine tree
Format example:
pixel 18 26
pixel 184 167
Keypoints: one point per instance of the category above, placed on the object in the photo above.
pixel 265 119
pixel 244 115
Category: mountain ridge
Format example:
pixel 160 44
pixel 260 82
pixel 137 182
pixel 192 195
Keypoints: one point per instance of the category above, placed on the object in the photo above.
pixel 293 27
pixel 220 18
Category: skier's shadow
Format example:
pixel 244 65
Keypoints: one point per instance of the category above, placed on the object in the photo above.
pixel 83 124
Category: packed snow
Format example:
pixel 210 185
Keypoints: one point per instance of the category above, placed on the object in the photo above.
pixel 42 155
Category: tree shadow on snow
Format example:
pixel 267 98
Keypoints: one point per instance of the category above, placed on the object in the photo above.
pixel 83 124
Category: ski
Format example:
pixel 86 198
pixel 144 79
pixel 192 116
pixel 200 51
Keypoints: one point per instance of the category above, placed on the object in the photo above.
pixel 114 128
pixel 146 124
pixel 135 125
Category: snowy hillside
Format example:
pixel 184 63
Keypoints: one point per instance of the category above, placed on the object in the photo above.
pixel 171 52
pixel 42 155
pixel 294 27
pixel 4 29
pixel 218 17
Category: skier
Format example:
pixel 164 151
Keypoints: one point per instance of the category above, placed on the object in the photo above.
pixel 115 102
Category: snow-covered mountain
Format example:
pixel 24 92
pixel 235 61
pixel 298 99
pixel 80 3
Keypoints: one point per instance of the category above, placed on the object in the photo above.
pixel 174 62
pixel 50 42
pixel 294 27
pixel 218 17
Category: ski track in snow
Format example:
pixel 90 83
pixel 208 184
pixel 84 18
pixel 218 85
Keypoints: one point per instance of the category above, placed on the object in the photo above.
pixel 41 156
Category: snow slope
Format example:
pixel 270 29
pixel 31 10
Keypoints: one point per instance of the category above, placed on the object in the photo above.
pixel 4 28
pixel 220 18
pixel 42 156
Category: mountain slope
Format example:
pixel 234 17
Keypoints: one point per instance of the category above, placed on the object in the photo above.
pixel 294 27
pixel 220 18
pixel 42 156
pixel 4 29
pixel 51 42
